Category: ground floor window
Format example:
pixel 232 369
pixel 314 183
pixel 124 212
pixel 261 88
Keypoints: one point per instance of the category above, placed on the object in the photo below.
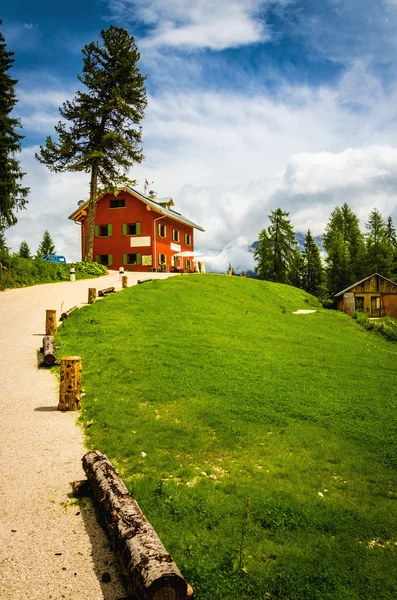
pixel 132 259
pixel 359 303
pixel 188 264
pixel 162 259
pixel 104 259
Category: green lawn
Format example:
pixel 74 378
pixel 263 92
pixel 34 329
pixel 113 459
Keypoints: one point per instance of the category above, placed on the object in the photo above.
pixel 270 438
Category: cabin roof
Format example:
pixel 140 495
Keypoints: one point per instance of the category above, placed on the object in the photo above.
pixel 158 204
pixel 362 281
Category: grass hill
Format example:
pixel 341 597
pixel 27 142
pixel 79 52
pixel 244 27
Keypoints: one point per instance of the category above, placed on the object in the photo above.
pixel 269 438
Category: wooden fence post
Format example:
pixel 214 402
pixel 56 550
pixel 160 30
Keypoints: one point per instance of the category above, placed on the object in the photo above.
pixel 70 386
pixel 50 322
pixel 124 281
pixel 91 295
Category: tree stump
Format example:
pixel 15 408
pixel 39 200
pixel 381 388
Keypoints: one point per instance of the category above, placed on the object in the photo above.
pixel 91 295
pixel 150 570
pixel 50 322
pixel 49 351
pixel 70 385
pixel 124 281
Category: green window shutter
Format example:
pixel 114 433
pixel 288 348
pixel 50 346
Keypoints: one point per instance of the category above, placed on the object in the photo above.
pixel 110 260
pixel 138 229
pixel 124 228
pixel 158 228
pixel 97 258
pixel 110 229
pixel 124 259
pixel 139 259
pixel 96 230
pixel 165 230
pixel 159 259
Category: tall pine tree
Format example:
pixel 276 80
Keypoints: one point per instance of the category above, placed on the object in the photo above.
pixel 313 277
pixel 379 257
pixel 13 196
pixel 276 248
pixel 391 236
pixel 47 245
pixel 102 137
pixel 344 244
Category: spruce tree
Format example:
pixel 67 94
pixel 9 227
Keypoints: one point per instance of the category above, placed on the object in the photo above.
pixel 344 244
pixel 47 246
pixel 24 250
pixel 276 248
pixel 295 272
pixel 13 196
pixel 102 137
pixel 379 257
pixel 313 277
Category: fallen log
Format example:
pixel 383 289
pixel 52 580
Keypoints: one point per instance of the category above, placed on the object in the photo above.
pixel 67 313
pixel 151 571
pixel 106 291
pixel 49 357
pixel 143 280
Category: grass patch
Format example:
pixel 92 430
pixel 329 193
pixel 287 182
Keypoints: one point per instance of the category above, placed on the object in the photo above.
pixel 269 438
pixel 386 326
pixel 19 272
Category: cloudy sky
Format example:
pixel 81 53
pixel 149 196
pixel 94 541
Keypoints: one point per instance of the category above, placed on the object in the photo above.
pixel 253 105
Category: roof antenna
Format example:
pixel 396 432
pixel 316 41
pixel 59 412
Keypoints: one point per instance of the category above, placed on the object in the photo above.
pixel 147 185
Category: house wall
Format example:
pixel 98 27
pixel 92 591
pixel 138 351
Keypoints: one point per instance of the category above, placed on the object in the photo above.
pixel 373 287
pixel 118 245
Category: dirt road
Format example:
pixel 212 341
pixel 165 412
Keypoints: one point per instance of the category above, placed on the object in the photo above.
pixel 49 547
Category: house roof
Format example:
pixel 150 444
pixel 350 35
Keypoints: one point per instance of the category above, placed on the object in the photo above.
pixel 362 281
pixel 159 205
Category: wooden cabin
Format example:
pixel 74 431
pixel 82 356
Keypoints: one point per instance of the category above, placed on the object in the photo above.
pixel 375 295
pixel 139 233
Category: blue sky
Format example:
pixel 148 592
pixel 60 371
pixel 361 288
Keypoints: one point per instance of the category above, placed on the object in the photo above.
pixel 252 105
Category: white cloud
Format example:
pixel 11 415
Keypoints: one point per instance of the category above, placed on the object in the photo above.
pixel 199 24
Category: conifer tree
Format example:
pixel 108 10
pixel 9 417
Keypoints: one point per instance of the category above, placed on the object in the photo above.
pixel 102 136
pixel 47 246
pixel 313 277
pixel 344 244
pixel 24 250
pixel 13 196
pixel 379 257
pixel 295 273
pixel 276 246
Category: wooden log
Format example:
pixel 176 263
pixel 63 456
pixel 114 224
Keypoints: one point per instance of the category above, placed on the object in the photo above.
pixel 50 322
pixel 151 572
pixel 49 351
pixel 124 281
pixel 143 281
pixel 91 295
pixel 67 313
pixel 106 291
pixel 70 385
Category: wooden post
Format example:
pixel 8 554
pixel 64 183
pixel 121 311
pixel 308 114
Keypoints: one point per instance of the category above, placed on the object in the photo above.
pixel 124 281
pixel 50 322
pixel 70 386
pixel 91 295
pixel 151 572
pixel 49 351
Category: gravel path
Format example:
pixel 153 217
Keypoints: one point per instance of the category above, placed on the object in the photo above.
pixel 50 548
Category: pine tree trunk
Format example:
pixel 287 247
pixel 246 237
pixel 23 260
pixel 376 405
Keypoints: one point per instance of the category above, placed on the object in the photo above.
pixel 70 385
pixel 151 572
pixel 89 237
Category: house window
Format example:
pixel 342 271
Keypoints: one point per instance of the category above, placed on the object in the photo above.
pixel 132 259
pixel 120 203
pixel 188 264
pixel 162 230
pixel 359 303
pixel 162 259
pixel 188 239
pixel 175 235
pixel 104 259
pixel 103 230
pixel 131 229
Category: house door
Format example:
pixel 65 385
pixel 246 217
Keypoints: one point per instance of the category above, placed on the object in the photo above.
pixel 375 306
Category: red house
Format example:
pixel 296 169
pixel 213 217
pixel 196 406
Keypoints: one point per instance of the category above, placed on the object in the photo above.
pixel 139 233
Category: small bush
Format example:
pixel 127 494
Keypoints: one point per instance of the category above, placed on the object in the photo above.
pixel 385 328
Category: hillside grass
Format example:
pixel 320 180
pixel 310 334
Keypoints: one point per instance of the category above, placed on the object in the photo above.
pixel 269 438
